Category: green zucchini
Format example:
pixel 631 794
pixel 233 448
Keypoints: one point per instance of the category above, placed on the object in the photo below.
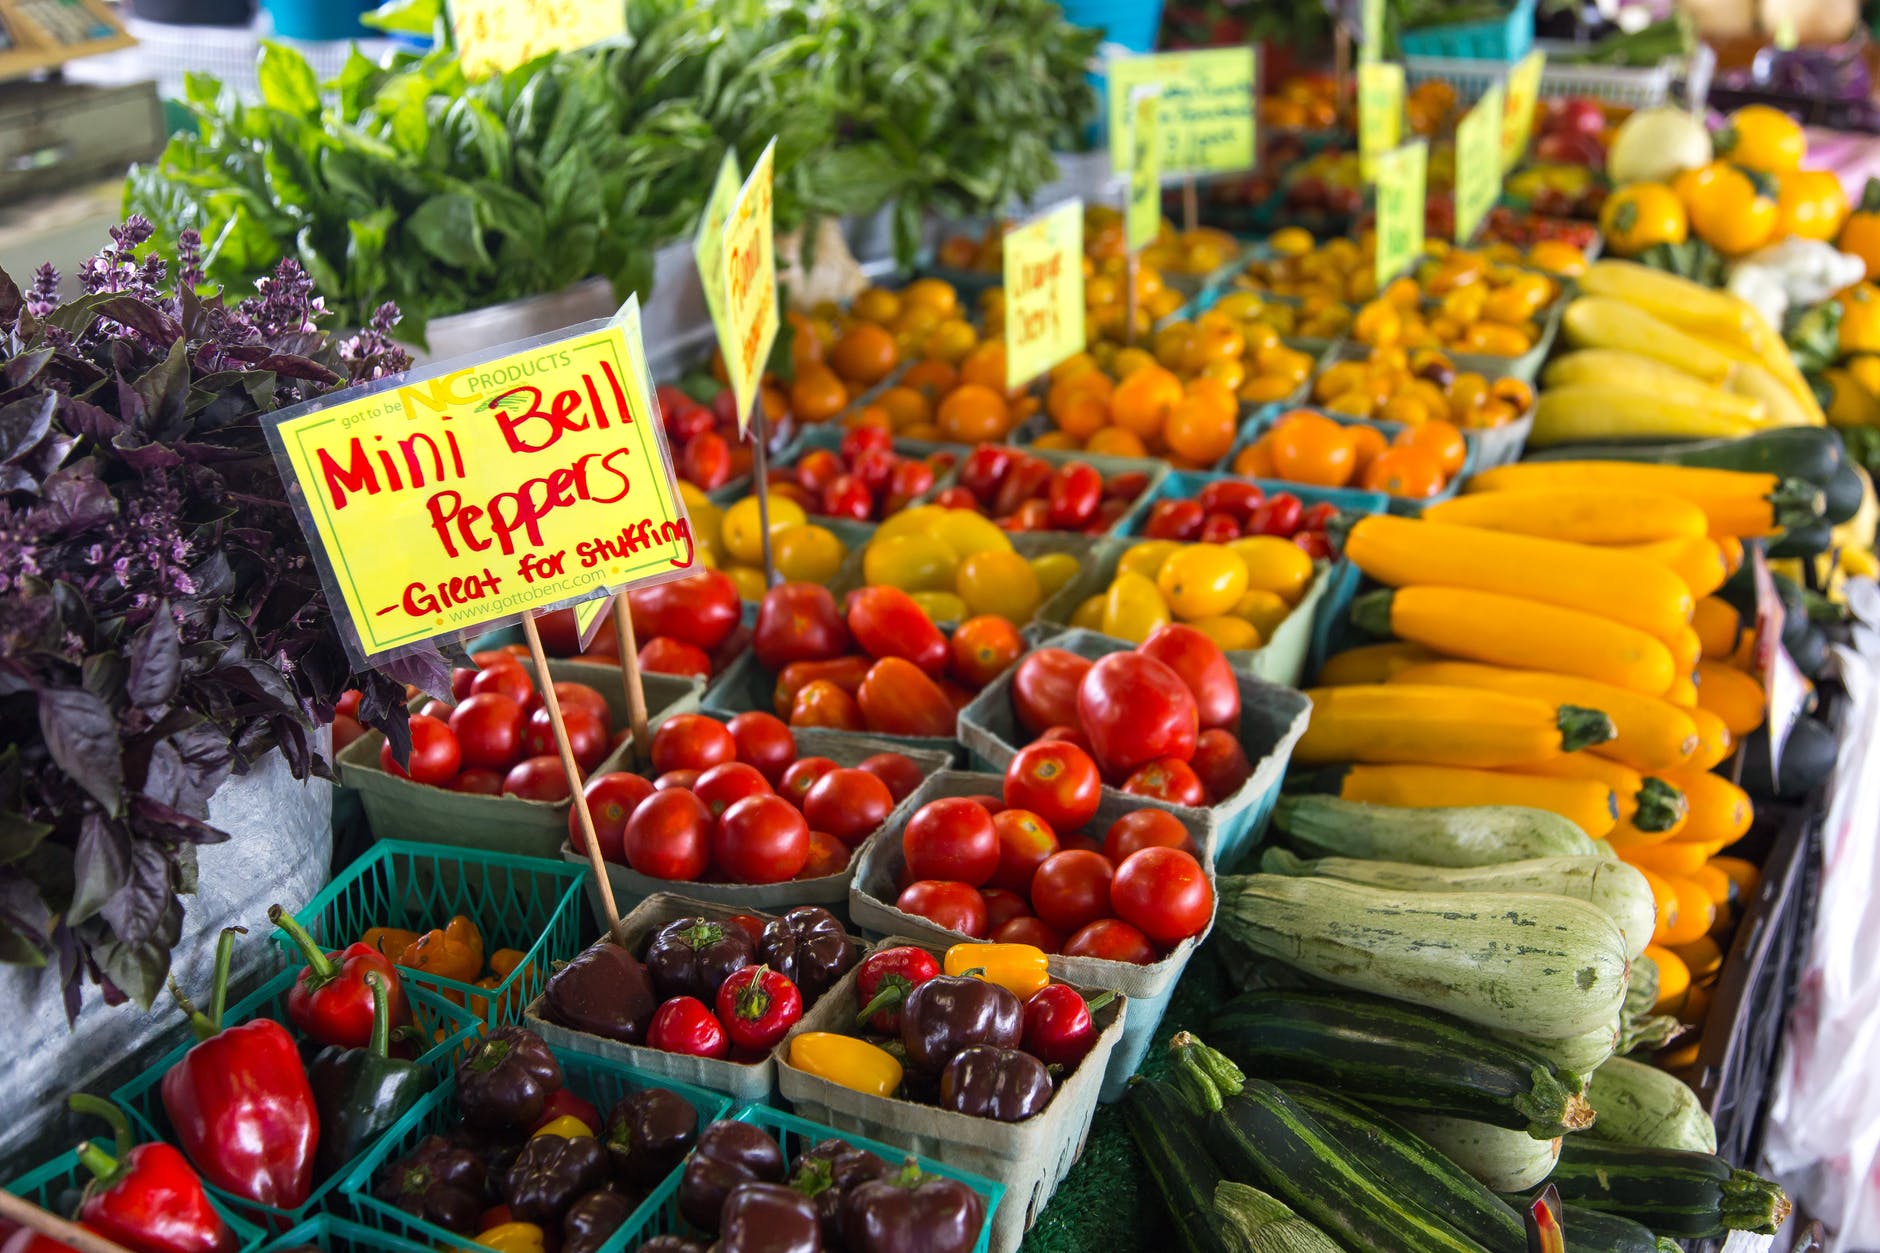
pixel 1641 993
pixel 1387 1052
pixel 1842 492
pixel 1581 1054
pixel 1167 1132
pixel 1507 1161
pixel 1675 1192
pixel 1647 1032
pixel 1457 836
pixel 1641 1104
pixel 1415 1170
pixel 1790 452
pixel 1807 760
pixel 1589 1231
pixel 1267 1224
pixel 1614 886
pixel 1546 965
pixel 1261 1136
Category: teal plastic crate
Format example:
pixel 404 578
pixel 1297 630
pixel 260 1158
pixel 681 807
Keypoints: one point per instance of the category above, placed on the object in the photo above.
pixel 338 1235
pixel 446 1024
pixel 525 903
pixel 58 1185
pixel 596 1079
pixel 795 1134
pixel 1505 38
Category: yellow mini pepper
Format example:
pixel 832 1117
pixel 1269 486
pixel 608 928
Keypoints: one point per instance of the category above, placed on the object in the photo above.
pixel 568 1127
pixel 1018 968
pixel 513 1238
pixel 845 1060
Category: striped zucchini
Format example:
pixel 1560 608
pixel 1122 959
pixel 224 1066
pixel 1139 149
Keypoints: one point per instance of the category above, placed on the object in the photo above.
pixel 1507 1161
pixel 1677 1193
pixel 1472 835
pixel 1641 1104
pixel 1389 1053
pixel 1547 965
pixel 1168 1134
pixel 1581 1054
pixel 1615 887
pixel 1589 1231
pixel 1647 1032
pixel 1259 1134
pixel 1415 1170
pixel 1265 1223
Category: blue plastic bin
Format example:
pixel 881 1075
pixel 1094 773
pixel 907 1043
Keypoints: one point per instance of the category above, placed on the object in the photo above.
pixel 318 20
pixel 1132 23
pixel 1497 39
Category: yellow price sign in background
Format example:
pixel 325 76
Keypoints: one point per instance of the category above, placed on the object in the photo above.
pixel 1478 162
pixel 750 268
pixel 1142 220
pixel 1371 31
pixel 708 249
pixel 502 34
pixel 453 503
pixel 1524 91
pixel 1401 175
pixel 1207 108
pixel 1380 112
pixel 1044 292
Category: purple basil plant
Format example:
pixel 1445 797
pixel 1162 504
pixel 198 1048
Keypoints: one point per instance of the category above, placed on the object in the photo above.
pixel 162 624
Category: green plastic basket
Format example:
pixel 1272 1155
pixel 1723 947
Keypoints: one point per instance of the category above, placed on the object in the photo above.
pixel 445 1024
pixel 525 903
pixel 58 1185
pixel 337 1235
pixel 661 1212
pixel 598 1080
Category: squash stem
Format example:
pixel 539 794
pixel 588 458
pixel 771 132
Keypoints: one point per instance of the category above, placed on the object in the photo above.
pixel 1581 728
pixel 1660 806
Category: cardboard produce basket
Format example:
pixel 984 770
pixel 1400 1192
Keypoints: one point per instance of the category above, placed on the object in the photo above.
pixel 1149 988
pixel 1272 718
pixel 1492 445
pixel 1029 1159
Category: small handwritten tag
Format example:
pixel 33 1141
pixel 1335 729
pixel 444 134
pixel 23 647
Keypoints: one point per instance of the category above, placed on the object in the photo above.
pixel 1044 292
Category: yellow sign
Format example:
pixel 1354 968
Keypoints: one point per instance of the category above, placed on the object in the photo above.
pixel 1380 112
pixel 502 34
pixel 750 269
pixel 709 247
pixel 1400 185
pixel 1371 31
pixel 1207 108
pixel 1044 292
pixel 1478 162
pixel 1524 90
pixel 1143 220
pixel 451 504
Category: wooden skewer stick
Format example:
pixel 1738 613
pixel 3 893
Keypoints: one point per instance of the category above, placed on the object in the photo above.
pixel 638 746
pixel 26 1214
pixel 1191 205
pixel 553 704
pixel 760 473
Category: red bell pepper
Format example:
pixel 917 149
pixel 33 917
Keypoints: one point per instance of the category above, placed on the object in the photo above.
pixel 240 1101
pixel 757 1006
pixel 331 1002
pixel 146 1197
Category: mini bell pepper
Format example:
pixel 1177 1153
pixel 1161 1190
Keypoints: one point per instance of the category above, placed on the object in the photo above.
pixel 437 1181
pixel 826 1172
pixel 1007 1084
pixel 453 951
pixel 504 1081
pixel 551 1174
pixel 1018 968
pixel 847 1061
pixel 883 981
pixel 758 1006
pixel 330 1002
pixel 593 1218
pixel 604 991
pixel 568 1127
pixel 912 1210
pixel 686 1025
pixel 729 1153
pixel 693 957
pixel 809 945
pixel 146 1197
pixel 648 1134
pixel 390 941
pixel 240 1102
pixel 514 1238
pixel 361 1092
pixel 950 1013
pixel 1058 1026
pixel 769 1218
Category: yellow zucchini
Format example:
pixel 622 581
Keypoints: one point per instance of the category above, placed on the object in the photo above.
pixel 1698 561
pixel 1652 735
pixel 1670 908
pixel 1696 912
pixel 1683 691
pixel 1371 663
pixel 1718 626
pixel 1637 372
pixel 1388 723
pixel 1714 741
pixel 1736 503
pixel 1731 695
pixel 1674 978
pixel 1745 874
pixel 1525 634
pixel 1665 858
pixel 1577 515
pixel 1707 311
pixel 1686 648
pixel 1720 811
pixel 1648 805
pixel 1753 381
pixel 1581 413
pixel 1602 322
pixel 1589 805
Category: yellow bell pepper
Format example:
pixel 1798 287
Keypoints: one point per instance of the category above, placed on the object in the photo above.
pixel 1018 968
pixel 568 1127
pixel 514 1238
pixel 847 1061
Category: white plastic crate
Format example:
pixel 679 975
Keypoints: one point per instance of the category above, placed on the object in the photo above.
pixel 1635 88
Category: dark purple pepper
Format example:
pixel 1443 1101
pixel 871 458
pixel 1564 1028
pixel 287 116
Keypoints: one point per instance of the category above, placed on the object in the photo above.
pixel 692 957
pixel 768 1218
pixel 912 1212
pixel 506 1078
pixel 826 1171
pixel 649 1133
pixel 809 945
pixel 670 1244
pixel 728 1154
pixel 593 1218
pixel 604 991
pixel 550 1175
pixel 439 1182
pixel 1006 1084
pixel 952 1012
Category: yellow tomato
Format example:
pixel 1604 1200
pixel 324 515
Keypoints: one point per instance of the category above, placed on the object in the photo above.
pixel 1274 565
pixel 941 606
pixel 920 520
pixel 1000 583
pixel 1054 570
pixel 1133 608
pixel 1760 137
pixel 744 537
pixel 708 524
pixel 1734 211
pixel 749 581
pixel 1640 215
pixel 1264 609
pixel 913 563
pixel 806 553
pixel 1088 615
pixel 966 533
pixel 1147 557
pixel 1228 632
pixel 1202 580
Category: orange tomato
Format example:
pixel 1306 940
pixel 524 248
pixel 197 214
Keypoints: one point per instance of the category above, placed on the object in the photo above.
pixel 1441 440
pixel 1114 441
pixel 1366 443
pixel 905 406
pixel 1311 448
pixel 865 354
pixel 985 365
pixel 1142 402
pixel 973 413
pixel 1255 461
pixel 1408 472
pixel 932 378
pixel 817 394
pixel 1199 430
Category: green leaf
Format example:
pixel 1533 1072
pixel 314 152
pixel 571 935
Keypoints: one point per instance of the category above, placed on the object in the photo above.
pixel 287 82
pixel 446 227
pixel 19 836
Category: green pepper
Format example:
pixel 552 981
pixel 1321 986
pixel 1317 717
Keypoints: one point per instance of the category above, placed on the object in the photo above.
pixel 361 1092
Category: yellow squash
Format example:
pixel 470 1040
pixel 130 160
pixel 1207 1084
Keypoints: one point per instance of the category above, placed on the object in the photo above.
pixel 1730 694
pixel 1580 413
pixel 1698 561
pixel 1371 663
pixel 1392 723
pixel 1674 979
pixel 1720 811
pixel 1718 626
pixel 1603 322
pixel 1647 805
pixel 1637 372
pixel 1582 801
pixel 1578 515
pixel 1736 503
pixel 1714 741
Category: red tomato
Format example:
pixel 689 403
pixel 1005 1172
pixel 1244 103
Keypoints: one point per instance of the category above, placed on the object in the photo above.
pixel 827 856
pixel 1218 528
pixel 1025 841
pixel 848 804
pixel 955 906
pixel 701 609
pixel 669 836
pixel 898 698
pixel 798 622
pixel 1044 688
pixel 982 649
pixel 706 461
pixel 763 741
pixel 761 839
pixel 751 925
pixel 984 471
pixel 488 727
pixel 817 469
pixel 1318 517
pixel 1073 493
pixel 460 680
pixel 1055 780
pixel 692 742
pixel 957 497
pixel 1003 905
pixel 1233 497
pixel 1168 779
pixel 823 704
pixel 1111 939
pixel 1031 515
pixel 1135 710
pixel 1313 544
pixel 1029 930
pixel 1069 735
pixel 437 709
pixel 1027 480
pixel 886 622
pixel 874 468
pixel 511 681
pixel 847 497
pixel 1146 828
pixel 991 804
pixel 346 729
pixel 897 771
pixel 910 479
pixel 727 783
pixel 1278 516
pixel 1203 667
pixel 1174 519
pixel 478 782
pixel 435 755
pixel 348 703
pixel 1221 764
pixel 587 736
pixel 1164 893
pixel 801 776
pixel 862 439
pixel 664 655
pixel 1079 843
pixel 1072 888
pixel 951 838
pixel 537 779
pixel 676 779
pixel 611 799
pixel 1125 486
pixel 581 696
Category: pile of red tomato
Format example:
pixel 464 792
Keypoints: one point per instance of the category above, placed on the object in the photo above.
pixel 863 479
pixel 1231 509
pixel 687 626
pixel 706 448
pixel 1023 492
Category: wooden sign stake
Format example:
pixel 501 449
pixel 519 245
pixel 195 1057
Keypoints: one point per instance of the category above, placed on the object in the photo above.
pixel 578 796
pixel 638 746
pixel 760 471
pixel 1129 299
pixel 1191 205
pixel 22 1211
